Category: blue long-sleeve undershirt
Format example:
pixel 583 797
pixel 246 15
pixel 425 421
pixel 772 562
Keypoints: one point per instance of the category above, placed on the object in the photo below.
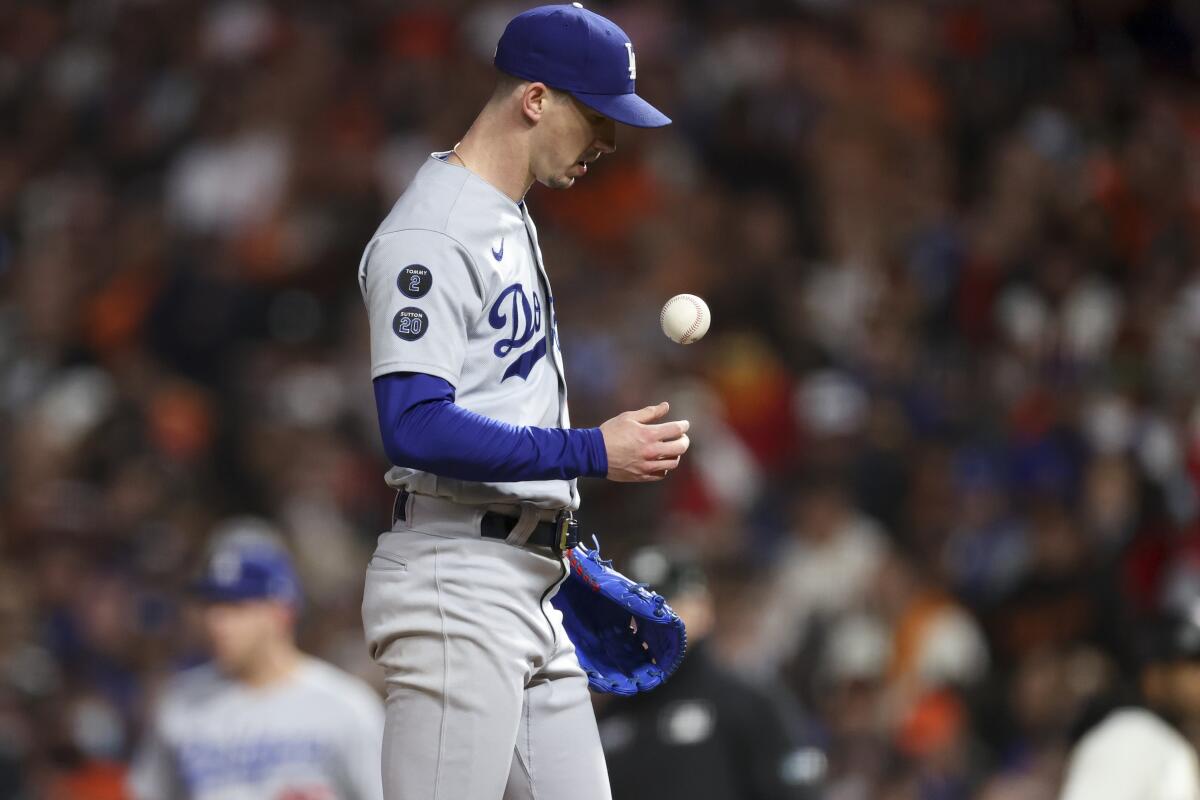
pixel 424 429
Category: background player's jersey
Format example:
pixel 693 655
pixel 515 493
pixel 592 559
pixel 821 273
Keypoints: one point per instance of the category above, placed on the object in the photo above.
pixel 1132 755
pixel 455 287
pixel 318 736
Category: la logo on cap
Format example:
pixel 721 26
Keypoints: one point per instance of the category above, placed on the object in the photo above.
pixel 628 46
pixel 575 50
pixel 226 568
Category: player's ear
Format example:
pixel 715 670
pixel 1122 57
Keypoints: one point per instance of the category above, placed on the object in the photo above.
pixel 534 101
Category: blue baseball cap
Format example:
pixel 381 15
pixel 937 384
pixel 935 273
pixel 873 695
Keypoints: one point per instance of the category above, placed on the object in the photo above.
pixel 577 51
pixel 249 571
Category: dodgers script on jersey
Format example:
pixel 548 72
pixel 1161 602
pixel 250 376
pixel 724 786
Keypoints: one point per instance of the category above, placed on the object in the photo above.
pixel 455 287
pixel 316 737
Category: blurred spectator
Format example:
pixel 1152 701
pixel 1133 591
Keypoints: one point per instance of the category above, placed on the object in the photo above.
pixel 705 733
pixel 1147 749
pixel 825 567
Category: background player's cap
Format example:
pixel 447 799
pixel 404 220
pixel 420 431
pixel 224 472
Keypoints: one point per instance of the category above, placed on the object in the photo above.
pixel 670 571
pixel 248 562
pixel 570 48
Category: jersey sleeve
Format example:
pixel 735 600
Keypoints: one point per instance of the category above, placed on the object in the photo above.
pixel 153 775
pixel 423 429
pixel 423 294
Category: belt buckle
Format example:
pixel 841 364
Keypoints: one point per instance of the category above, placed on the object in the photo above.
pixel 567 530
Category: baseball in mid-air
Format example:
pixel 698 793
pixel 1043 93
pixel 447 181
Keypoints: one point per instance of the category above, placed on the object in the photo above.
pixel 685 318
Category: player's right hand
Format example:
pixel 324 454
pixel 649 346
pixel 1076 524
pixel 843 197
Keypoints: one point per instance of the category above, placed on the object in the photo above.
pixel 639 451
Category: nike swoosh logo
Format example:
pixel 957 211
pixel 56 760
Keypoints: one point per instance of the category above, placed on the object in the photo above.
pixel 498 255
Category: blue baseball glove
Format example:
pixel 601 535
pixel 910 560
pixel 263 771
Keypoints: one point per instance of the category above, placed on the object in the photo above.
pixel 627 638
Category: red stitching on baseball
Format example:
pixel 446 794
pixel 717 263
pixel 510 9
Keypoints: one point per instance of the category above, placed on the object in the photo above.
pixel 695 324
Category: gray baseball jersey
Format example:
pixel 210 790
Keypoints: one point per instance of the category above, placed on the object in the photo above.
pixel 1132 755
pixel 455 287
pixel 316 736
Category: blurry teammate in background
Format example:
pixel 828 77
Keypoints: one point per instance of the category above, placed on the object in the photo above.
pixel 262 721
pixel 705 734
pixel 1147 750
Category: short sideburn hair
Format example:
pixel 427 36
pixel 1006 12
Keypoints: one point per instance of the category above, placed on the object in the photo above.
pixel 506 83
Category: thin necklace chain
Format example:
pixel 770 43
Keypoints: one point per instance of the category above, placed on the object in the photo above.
pixel 460 158
pixel 466 166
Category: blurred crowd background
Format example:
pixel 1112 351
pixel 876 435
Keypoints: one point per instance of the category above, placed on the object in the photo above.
pixel 946 424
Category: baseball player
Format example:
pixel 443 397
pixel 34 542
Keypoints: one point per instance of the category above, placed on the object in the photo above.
pixel 1146 750
pixel 262 721
pixel 485 696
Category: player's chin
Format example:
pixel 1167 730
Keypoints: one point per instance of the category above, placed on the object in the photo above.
pixel 560 181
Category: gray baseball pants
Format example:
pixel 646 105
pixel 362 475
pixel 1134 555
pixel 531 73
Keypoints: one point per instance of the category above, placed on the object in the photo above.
pixel 485 697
